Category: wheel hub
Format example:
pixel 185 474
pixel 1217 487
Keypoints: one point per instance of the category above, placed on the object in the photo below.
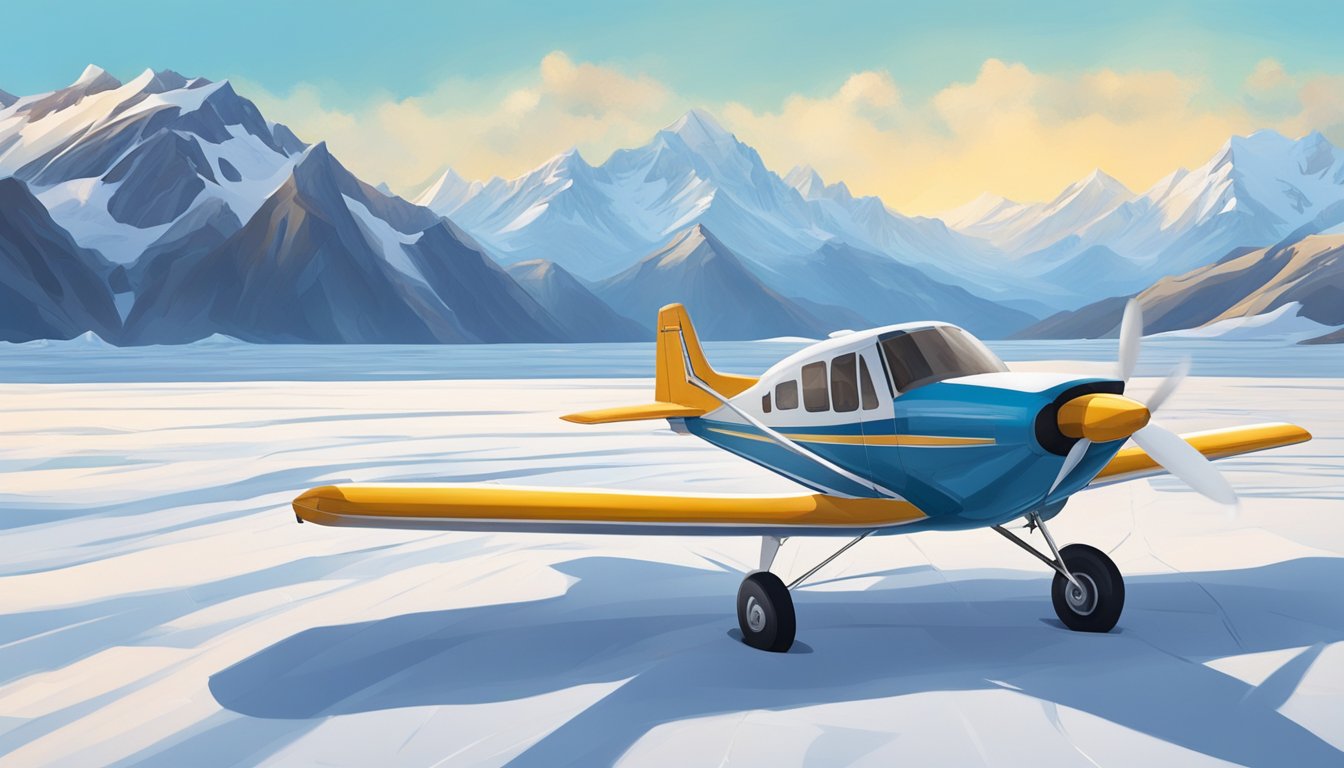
pixel 755 615
pixel 1082 598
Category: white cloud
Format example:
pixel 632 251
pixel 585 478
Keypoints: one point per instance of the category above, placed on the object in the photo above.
pixel 483 131
pixel 1011 130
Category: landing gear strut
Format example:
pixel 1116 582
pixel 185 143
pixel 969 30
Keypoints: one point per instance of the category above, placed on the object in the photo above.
pixel 765 607
pixel 1088 591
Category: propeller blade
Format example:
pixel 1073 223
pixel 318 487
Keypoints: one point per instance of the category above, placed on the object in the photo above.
pixel 1184 462
pixel 1071 460
pixel 1168 385
pixel 1131 336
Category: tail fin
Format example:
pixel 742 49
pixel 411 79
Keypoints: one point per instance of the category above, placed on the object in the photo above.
pixel 676 397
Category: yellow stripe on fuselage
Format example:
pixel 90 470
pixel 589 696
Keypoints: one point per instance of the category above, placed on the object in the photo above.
pixel 912 441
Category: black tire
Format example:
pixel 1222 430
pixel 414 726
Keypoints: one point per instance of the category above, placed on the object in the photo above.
pixel 1098 607
pixel 765 612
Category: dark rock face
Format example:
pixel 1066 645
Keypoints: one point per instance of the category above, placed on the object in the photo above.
pixel 50 288
pixel 305 269
pixel 193 236
pixel 228 171
pixel 160 179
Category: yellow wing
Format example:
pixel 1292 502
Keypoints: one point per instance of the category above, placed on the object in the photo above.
pixel 1132 463
pixel 502 508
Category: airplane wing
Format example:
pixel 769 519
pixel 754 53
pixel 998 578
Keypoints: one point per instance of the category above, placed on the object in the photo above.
pixel 1132 462
pixel 543 510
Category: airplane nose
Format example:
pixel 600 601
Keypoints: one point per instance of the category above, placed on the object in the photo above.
pixel 1102 417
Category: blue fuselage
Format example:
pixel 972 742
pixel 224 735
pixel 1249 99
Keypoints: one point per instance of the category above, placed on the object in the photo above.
pixel 967 452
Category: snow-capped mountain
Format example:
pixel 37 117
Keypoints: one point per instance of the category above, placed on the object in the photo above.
pixel 598 220
pixel 1025 228
pixel 1255 191
pixel 329 259
pixel 695 268
pixel 50 288
pixel 117 164
pixel 580 313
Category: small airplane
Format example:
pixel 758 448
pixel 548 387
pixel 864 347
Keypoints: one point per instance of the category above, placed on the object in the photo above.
pixel 899 429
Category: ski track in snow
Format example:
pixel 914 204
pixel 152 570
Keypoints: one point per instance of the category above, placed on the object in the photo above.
pixel 162 608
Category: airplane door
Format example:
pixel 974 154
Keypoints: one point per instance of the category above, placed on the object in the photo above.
pixel 877 419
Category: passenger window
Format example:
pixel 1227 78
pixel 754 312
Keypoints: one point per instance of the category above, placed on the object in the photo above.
pixel 845 383
pixel 765 403
pixel 815 396
pixel 786 395
pixel 866 389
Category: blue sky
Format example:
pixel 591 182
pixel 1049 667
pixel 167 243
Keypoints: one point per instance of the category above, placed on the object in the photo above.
pixel 754 52
pixel 338 68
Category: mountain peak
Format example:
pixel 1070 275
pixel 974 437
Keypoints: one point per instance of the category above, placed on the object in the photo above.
pixel 94 78
pixel 984 208
pixel 698 127
pixel 1313 139
pixel 1099 179
pixel 566 163
pixel 315 169
pixel 805 179
pixel 695 242
pixel 447 192
pixel 1097 191
pixel 316 153
pixel 7 98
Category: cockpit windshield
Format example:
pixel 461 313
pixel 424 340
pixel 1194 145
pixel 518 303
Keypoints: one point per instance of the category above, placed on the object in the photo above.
pixel 916 358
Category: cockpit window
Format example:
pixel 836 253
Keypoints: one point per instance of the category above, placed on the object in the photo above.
pixel 916 358
pixel 786 395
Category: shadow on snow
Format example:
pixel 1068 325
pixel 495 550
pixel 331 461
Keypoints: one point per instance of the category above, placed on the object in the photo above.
pixel 665 628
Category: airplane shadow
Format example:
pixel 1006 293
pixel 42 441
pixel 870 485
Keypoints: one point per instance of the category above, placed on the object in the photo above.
pixel 665 629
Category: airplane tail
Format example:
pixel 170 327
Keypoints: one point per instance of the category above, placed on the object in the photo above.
pixel 675 396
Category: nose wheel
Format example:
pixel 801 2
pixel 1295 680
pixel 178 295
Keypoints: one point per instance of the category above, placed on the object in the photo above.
pixel 765 612
pixel 1094 601
pixel 1088 591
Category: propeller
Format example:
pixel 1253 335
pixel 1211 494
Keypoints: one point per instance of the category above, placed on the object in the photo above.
pixel 1111 417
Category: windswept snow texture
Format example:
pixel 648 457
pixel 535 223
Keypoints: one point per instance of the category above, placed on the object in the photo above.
pixel 162 608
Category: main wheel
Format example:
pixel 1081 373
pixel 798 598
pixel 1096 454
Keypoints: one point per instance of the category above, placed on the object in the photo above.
pixel 765 612
pixel 1096 606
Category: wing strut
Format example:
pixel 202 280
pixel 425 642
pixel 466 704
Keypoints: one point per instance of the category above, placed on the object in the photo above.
pixel 823 563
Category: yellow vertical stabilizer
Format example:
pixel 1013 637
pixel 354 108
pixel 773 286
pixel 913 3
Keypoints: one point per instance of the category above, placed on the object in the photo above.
pixel 675 396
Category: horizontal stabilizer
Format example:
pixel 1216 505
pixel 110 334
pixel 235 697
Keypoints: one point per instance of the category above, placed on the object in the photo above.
pixel 634 413
pixel 677 397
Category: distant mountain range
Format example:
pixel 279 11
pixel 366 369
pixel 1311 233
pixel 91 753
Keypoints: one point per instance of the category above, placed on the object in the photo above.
pixel 1306 275
pixel 167 209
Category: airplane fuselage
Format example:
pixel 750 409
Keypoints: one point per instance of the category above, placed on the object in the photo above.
pixel 968 451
